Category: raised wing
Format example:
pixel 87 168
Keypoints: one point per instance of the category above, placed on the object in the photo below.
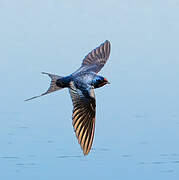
pixel 84 109
pixel 97 58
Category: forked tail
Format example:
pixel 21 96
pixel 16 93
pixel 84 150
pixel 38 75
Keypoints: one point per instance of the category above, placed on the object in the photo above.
pixel 53 87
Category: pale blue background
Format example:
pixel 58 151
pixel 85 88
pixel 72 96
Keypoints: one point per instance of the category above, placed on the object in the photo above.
pixel 137 125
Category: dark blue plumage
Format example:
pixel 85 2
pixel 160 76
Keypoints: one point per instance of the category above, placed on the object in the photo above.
pixel 81 85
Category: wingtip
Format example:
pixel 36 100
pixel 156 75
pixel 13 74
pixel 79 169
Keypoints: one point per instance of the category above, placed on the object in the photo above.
pixel 85 153
pixel 107 41
pixel 108 45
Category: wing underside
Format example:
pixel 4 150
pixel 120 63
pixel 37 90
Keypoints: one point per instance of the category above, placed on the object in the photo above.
pixel 83 118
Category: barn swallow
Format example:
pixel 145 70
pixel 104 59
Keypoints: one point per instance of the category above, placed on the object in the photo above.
pixel 81 85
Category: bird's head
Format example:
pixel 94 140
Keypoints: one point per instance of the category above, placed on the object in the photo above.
pixel 100 81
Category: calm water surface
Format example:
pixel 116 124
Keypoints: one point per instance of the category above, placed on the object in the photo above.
pixel 137 123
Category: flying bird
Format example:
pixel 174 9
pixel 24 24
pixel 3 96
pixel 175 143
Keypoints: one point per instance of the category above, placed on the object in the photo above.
pixel 81 85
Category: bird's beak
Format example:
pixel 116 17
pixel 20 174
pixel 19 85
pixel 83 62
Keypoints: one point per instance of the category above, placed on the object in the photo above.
pixel 106 81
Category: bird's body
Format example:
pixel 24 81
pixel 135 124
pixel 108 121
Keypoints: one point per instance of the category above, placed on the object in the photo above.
pixel 81 85
pixel 81 81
